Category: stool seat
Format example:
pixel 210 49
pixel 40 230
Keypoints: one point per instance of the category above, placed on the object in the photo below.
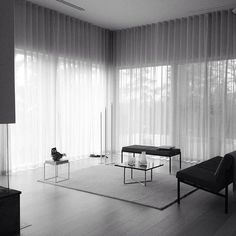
pixel 60 162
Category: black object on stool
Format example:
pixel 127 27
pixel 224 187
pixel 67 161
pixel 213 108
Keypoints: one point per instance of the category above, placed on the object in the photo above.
pixel 56 156
pixel 212 176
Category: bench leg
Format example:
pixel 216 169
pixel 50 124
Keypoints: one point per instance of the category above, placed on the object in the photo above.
pixel 178 191
pixel 226 199
pixel 180 161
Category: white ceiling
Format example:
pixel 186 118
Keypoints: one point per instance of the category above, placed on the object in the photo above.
pixel 117 14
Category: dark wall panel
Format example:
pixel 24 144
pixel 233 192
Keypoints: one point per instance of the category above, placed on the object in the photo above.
pixel 7 89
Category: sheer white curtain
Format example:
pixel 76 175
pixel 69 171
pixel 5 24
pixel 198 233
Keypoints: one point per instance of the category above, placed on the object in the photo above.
pixel 34 132
pixel 60 84
pixel 81 89
pixel 176 85
pixel 144 105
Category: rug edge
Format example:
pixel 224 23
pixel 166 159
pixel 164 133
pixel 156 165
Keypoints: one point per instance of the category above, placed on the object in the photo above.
pixel 120 199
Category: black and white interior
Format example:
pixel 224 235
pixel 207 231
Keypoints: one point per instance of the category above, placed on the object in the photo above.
pixel 92 77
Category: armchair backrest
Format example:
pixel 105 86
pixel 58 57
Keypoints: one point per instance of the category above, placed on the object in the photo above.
pixel 226 164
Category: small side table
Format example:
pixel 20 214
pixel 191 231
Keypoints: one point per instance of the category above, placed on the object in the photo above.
pixel 56 164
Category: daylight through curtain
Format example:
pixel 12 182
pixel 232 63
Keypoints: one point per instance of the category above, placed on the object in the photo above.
pixel 60 83
pixel 176 85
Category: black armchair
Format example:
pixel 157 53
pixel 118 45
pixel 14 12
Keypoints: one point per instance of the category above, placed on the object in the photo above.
pixel 212 176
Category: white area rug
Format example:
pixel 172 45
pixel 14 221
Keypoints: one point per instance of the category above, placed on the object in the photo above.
pixel 107 181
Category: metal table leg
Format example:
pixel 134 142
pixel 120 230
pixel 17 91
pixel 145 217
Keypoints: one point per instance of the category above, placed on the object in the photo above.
pixel 131 173
pixel 145 181
pixel 170 165
pixel 151 174
pixel 121 157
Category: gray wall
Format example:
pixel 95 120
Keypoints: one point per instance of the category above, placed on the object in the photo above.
pixel 7 89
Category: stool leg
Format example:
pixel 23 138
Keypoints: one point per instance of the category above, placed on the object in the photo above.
pixel 56 173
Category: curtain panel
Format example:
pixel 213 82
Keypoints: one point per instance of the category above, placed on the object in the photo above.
pixel 176 85
pixel 62 81
pixel 47 31
pixel 202 37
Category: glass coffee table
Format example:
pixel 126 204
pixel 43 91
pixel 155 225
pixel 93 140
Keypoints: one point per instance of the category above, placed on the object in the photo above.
pixel 149 167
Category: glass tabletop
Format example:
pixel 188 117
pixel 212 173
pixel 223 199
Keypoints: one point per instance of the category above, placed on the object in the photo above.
pixel 138 166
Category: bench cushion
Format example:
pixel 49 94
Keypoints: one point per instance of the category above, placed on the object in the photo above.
pixel 151 150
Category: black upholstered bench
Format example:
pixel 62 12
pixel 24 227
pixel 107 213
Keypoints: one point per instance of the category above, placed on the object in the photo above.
pixel 152 150
pixel 212 176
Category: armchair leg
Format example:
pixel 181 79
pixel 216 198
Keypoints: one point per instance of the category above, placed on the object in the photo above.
pixel 226 199
pixel 178 191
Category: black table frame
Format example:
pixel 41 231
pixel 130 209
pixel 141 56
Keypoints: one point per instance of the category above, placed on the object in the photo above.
pixel 138 168
pixel 153 151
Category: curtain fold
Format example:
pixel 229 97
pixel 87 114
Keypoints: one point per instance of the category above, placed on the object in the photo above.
pixel 176 85
pixel 196 38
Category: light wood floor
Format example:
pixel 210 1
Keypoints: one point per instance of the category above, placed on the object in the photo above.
pixel 55 211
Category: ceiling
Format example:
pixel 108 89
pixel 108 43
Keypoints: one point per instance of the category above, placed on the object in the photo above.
pixel 118 14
